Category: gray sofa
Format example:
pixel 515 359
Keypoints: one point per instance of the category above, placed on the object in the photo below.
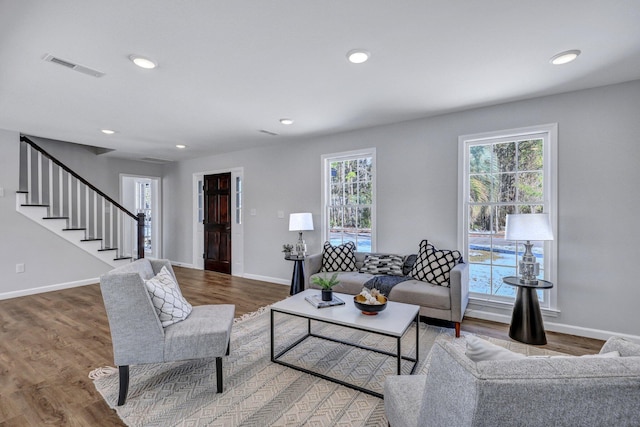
pixel 566 391
pixel 435 301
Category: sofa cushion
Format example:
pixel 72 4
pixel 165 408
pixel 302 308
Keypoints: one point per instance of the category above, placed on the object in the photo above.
pixel 350 282
pixel 421 293
pixel 383 264
pixel 167 299
pixel 338 258
pixel 433 265
pixel 409 260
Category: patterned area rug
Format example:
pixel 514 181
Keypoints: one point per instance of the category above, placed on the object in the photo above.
pixel 258 392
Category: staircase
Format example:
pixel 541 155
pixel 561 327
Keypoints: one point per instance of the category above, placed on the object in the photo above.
pixel 61 201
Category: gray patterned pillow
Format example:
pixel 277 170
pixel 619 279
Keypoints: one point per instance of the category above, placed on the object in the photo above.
pixel 383 264
pixel 433 265
pixel 167 299
pixel 339 258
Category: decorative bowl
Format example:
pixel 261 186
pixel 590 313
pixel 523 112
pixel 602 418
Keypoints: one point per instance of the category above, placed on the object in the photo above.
pixel 370 309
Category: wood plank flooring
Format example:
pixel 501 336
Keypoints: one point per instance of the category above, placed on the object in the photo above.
pixel 50 342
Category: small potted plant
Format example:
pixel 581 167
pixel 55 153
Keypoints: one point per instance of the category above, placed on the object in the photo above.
pixel 287 248
pixel 326 285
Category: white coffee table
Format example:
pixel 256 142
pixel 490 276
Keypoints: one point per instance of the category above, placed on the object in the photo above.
pixel 394 322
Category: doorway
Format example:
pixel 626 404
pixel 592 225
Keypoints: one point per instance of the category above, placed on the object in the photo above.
pixel 237 223
pixel 217 222
pixel 142 194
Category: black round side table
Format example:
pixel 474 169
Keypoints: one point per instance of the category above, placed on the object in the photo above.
pixel 526 320
pixel 297 280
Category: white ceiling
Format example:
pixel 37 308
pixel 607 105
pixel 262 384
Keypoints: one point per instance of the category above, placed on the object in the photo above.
pixel 228 69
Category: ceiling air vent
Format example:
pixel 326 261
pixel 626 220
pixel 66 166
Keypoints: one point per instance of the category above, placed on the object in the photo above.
pixel 76 67
pixel 268 132
pixel 153 160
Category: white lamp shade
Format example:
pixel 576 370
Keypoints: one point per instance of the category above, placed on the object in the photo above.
pixel 300 222
pixel 528 227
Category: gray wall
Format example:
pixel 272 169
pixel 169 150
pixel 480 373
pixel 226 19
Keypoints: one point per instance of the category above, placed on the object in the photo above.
pixel 417 178
pixel 50 262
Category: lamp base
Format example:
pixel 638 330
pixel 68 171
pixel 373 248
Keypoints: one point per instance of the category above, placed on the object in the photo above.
pixel 529 267
pixel 301 246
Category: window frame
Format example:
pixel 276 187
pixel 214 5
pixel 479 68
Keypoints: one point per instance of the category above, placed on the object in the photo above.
pixel 549 132
pixel 326 160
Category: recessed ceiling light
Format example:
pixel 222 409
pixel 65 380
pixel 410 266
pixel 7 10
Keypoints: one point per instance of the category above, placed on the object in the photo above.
pixel 358 56
pixel 107 131
pixel 564 57
pixel 286 121
pixel 143 62
pixel 181 146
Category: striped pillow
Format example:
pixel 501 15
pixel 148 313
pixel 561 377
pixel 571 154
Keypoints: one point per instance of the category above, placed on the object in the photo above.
pixel 383 264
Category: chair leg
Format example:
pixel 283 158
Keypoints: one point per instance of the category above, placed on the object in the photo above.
pixel 219 373
pixel 457 329
pixel 124 383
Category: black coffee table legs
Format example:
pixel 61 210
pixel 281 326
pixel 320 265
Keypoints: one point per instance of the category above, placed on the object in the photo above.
pixel 526 321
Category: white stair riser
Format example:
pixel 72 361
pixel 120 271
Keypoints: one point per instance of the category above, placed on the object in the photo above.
pixel 56 226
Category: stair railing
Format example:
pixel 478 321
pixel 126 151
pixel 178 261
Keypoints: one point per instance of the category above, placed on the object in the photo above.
pixel 49 182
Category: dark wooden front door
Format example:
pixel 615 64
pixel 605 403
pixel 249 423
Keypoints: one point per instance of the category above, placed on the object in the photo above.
pixel 217 222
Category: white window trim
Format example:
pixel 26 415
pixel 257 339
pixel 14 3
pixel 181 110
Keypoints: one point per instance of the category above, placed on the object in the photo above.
pixel 550 183
pixel 326 159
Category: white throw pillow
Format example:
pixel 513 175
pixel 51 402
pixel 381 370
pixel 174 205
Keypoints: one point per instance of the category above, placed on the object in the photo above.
pixel 479 350
pixel 167 299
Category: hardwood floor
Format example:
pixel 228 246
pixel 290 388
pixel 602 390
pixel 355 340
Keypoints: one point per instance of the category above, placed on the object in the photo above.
pixel 50 342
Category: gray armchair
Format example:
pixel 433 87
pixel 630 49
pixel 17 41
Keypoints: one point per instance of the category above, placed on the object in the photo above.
pixel 137 334
pixel 560 391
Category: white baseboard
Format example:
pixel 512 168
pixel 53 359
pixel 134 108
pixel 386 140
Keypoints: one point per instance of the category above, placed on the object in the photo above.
pixel 268 279
pixel 48 288
pixel 555 327
pixel 184 264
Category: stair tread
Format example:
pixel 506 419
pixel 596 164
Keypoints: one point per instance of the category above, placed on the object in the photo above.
pixel 35 204
pixel 107 249
pixel 73 229
pixel 121 258
pixel 55 217
pixel 22 192
pixel 91 240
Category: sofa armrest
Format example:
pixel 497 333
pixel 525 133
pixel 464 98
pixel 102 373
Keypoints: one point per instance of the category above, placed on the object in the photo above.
pixel 459 290
pixel 312 265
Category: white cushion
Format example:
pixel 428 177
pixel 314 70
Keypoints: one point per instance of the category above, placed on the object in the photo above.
pixel 167 299
pixel 479 350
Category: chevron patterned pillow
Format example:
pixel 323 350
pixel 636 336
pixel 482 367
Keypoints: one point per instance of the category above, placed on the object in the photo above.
pixel 433 265
pixel 167 299
pixel 339 258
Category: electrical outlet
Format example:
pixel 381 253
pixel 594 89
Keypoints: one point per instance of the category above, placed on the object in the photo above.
pixel 19 268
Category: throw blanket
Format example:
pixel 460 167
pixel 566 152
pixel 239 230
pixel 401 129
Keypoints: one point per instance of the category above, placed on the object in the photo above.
pixel 384 283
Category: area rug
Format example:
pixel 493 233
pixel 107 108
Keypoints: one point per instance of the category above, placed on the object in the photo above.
pixel 258 392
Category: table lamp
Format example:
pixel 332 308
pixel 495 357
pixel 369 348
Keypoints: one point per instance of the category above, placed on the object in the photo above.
pixel 300 222
pixel 528 227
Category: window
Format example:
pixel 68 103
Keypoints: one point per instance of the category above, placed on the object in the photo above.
pixel 502 173
pixel 349 198
pixel 238 200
